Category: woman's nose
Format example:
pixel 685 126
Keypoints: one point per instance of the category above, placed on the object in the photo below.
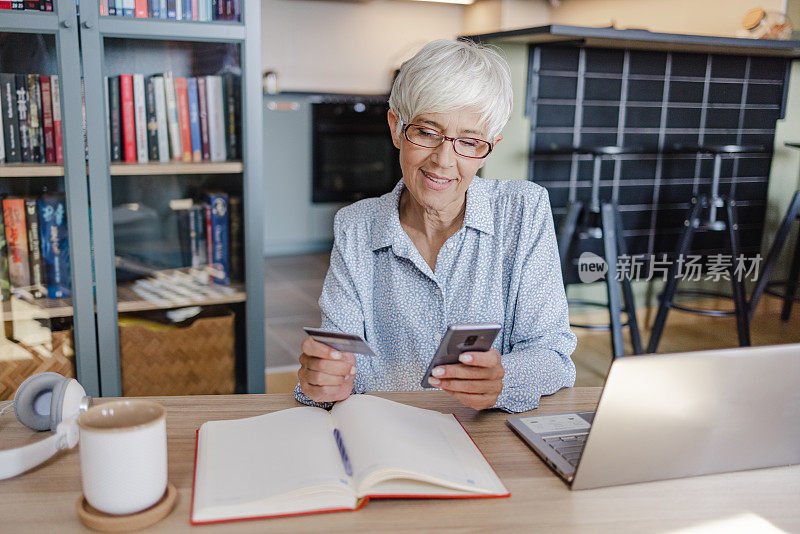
pixel 445 154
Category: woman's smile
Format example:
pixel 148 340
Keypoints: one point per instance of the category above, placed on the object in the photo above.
pixel 436 181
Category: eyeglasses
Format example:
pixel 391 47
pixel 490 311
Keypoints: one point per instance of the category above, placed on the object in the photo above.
pixel 426 137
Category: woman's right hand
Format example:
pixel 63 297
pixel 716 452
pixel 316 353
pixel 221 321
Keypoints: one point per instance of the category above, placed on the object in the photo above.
pixel 326 375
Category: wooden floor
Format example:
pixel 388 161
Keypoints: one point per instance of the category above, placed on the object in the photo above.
pixel 683 332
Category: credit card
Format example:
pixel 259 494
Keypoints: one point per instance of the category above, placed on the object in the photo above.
pixel 340 342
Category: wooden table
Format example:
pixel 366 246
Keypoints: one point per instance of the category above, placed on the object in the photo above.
pixel 43 500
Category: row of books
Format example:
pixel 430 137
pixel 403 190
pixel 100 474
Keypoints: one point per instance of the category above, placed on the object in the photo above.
pixel 36 5
pixel 163 118
pixel 196 10
pixel 34 247
pixel 30 119
pixel 210 234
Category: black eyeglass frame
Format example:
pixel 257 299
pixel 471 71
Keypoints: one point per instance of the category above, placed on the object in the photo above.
pixel 446 138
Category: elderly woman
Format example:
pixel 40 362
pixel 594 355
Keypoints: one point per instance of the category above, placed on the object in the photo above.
pixel 445 247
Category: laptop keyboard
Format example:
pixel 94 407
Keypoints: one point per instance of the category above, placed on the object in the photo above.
pixel 568 447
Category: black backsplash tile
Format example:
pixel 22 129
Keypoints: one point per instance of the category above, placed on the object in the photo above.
pixel 689 65
pixel 686 92
pixel 558 58
pixel 601 89
pixel 642 117
pixel 546 168
pixel 604 60
pixel 722 118
pixel 558 87
pixel 638 169
pixel 645 91
pixel 761 93
pixel 725 93
pixel 652 63
pixel 683 117
pixel 555 115
pixel 600 116
pixel 728 66
pixel 761 119
pixel 768 68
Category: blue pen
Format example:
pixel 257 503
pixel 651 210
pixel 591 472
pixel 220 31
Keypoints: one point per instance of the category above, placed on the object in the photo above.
pixel 343 452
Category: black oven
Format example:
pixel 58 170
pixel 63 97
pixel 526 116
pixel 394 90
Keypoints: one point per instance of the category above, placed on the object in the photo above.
pixel 353 154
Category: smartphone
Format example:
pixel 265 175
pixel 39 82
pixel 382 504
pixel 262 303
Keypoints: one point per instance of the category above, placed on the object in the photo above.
pixel 458 339
pixel 340 342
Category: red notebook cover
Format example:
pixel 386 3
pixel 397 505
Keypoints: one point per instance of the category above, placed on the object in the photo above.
pixel 17 240
pixel 5 4
pixel 183 117
pixel 55 89
pixel 128 124
pixel 361 503
pixel 47 117
pixel 140 7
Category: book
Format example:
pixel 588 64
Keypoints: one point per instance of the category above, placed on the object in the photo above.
pixel 202 106
pixel 304 460
pixel 47 120
pixel 140 114
pixel 8 102
pixel 181 90
pixel 55 245
pixel 209 234
pixel 194 119
pixel 140 9
pixel 2 143
pixel 162 9
pixel 173 122
pixel 171 13
pixel 21 92
pixel 236 238
pixel 128 118
pixel 115 118
pixel 152 121
pixel 197 234
pixel 19 272
pixel 128 8
pixel 232 120
pixel 55 89
pixel 112 8
pixel 183 215
pixel 220 238
pixel 37 289
pixel 178 9
pixel 37 151
pixel 216 118
pixel 161 118
pixel 5 283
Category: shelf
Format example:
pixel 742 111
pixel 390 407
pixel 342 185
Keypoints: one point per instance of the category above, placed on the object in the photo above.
pixel 129 301
pixel 176 167
pixel 29 21
pixel 173 30
pixel 20 308
pixel 26 170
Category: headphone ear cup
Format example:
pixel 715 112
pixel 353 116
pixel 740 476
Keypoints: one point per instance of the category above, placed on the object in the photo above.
pixel 30 412
pixel 66 401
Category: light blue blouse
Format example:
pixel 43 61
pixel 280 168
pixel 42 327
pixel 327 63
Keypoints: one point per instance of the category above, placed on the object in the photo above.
pixel 502 266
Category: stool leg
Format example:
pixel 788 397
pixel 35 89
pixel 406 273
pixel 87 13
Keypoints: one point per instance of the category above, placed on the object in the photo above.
pixel 690 226
pixel 566 236
pixel 612 284
pixel 791 283
pixel 627 291
pixel 774 252
pixel 742 323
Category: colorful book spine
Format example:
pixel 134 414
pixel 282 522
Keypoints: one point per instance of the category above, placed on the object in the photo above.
pixel 8 103
pixel 232 99
pixel 140 9
pixel 5 284
pixel 112 8
pixel 202 104
pixel 171 13
pixel 209 234
pixel 187 9
pixel 128 8
pixel 34 248
pixel 178 9
pixel 162 9
pixel 22 115
pixel 216 118
pixel 198 231
pixel 183 117
pixel 58 139
pixel 236 238
pixel 115 118
pixel 194 120
pixel 128 118
pixel 55 245
pixel 161 118
pixel 47 120
pixel 174 125
pixel 19 272
pixel 152 121
pixel 37 151
pixel 140 114
pixel 220 258
pixel 155 8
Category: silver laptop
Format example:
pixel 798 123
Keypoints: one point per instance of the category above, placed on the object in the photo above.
pixel 676 415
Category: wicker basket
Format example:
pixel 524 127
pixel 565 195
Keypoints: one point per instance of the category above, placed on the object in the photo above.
pixel 57 356
pixel 195 360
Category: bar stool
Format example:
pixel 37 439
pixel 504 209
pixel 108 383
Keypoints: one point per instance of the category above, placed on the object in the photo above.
pixel 790 284
pixel 600 220
pixel 721 211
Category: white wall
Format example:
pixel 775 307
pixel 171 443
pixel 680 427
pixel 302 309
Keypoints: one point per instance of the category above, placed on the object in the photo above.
pixel 348 47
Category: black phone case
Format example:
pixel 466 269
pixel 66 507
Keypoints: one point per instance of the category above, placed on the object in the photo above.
pixel 454 343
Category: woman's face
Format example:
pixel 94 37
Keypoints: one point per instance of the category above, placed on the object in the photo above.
pixel 438 178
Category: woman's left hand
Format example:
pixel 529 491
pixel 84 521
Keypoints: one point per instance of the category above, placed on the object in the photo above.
pixel 475 382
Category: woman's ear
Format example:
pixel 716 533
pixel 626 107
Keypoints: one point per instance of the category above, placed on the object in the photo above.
pixel 393 120
pixel 499 138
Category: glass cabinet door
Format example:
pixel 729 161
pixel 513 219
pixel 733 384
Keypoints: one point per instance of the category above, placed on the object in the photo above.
pixel 45 251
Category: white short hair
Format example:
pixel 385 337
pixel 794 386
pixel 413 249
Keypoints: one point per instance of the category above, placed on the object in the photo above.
pixel 447 76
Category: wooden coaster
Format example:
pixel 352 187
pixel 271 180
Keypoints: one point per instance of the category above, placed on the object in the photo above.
pixel 97 520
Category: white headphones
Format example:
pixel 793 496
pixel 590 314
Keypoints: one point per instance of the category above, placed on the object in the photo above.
pixel 45 401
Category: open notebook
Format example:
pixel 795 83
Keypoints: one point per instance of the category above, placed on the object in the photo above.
pixel 293 461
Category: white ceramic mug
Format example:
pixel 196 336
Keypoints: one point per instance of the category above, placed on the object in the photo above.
pixel 123 450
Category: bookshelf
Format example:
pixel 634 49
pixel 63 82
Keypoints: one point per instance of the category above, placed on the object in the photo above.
pixel 32 329
pixel 140 192
pixel 96 188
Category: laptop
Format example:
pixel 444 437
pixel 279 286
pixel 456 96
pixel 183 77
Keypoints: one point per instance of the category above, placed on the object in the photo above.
pixel 677 415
